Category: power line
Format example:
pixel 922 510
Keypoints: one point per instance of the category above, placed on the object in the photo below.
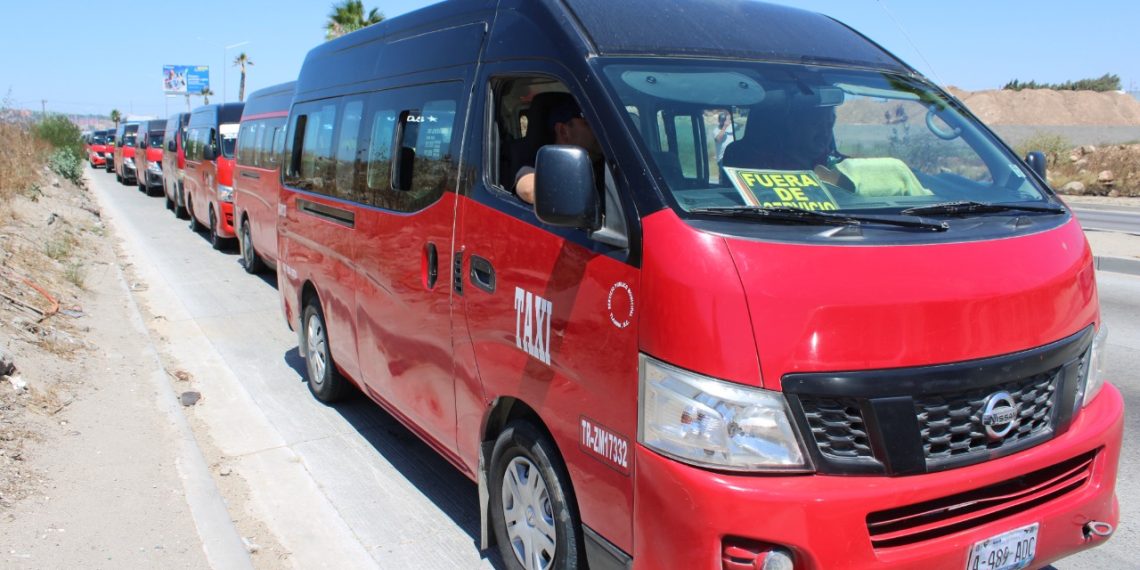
pixel 890 15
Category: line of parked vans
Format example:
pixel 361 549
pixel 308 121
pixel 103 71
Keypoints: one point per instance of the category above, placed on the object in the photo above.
pixel 779 301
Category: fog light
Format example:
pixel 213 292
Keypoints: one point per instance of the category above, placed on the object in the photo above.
pixel 745 554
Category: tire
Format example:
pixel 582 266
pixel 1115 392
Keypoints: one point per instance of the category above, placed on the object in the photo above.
pixel 533 511
pixel 216 241
pixel 166 198
pixel 119 177
pixel 249 259
pixel 194 225
pixel 180 210
pixel 325 382
pixel 143 188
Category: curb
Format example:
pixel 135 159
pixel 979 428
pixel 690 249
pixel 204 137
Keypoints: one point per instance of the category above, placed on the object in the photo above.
pixel 1117 264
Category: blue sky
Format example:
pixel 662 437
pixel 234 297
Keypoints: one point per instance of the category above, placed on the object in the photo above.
pixel 89 57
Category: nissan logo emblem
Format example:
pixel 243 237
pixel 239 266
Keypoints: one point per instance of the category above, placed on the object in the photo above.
pixel 999 416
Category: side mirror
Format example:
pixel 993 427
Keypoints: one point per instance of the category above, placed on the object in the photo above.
pixel 564 190
pixel 170 146
pixel 210 152
pixel 1036 161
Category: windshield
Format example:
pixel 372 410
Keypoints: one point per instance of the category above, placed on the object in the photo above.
pixel 229 133
pixel 155 140
pixel 98 139
pixel 129 139
pixel 814 138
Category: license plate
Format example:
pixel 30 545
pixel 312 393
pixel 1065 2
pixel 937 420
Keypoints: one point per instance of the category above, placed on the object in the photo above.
pixel 1011 550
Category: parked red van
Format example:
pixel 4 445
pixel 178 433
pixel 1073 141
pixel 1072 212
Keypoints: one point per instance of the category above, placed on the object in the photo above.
pixel 865 335
pixel 208 179
pixel 257 184
pixel 109 149
pixel 174 162
pixel 97 148
pixel 149 156
pixel 125 141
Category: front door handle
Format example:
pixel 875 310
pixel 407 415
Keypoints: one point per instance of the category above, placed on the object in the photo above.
pixel 431 265
pixel 482 274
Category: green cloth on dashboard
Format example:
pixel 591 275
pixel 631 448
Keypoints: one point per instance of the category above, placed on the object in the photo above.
pixel 881 177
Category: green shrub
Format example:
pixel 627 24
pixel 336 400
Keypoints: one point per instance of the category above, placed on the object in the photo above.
pixel 1053 145
pixel 67 165
pixel 61 134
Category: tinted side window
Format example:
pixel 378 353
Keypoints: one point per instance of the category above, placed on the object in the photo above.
pixel 346 150
pixel 311 164
pixel 278 144
pixel 258 145
pixel 246 152
pixel 416 123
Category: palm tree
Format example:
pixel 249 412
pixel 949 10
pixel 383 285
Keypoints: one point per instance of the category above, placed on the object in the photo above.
pixel 241 61
pixel 116 116
pixel 348 16
pixel 206 92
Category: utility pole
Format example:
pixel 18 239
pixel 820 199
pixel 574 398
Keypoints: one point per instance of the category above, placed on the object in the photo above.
pixel 43 108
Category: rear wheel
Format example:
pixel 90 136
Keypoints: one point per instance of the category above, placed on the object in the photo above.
pixel 249 258
pixel 194 225
pixel 166 198
pixel 533 511
pixel 325 382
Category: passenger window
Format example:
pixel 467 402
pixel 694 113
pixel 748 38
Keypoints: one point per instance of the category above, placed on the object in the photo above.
pixel 257 147
pixel 245 149
pixel 346 158
pixel 687 146
pixel 380 152
pixel 312 150
pixel 278 142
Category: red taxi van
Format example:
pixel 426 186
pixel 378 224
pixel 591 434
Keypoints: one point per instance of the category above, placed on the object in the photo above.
pixel 257 180
pixel 207 182
pixel 866 335
pixel 97 152
pixel 149 156
pixel 109 148
pixel 174 162
pixel 126 137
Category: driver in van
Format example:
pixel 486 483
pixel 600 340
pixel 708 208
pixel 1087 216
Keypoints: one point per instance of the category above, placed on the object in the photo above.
pixel 795 139
pixel 569 127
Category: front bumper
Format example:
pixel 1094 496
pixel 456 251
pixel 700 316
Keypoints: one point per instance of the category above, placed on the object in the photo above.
pixel 683 514
pixel 153 178
pixel 226 221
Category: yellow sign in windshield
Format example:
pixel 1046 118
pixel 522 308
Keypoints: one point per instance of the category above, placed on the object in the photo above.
pixel 781 189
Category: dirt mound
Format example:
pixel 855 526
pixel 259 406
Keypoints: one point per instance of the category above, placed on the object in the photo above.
pixel 1049 107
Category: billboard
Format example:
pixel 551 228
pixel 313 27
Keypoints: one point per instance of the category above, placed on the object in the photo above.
pixel 183 79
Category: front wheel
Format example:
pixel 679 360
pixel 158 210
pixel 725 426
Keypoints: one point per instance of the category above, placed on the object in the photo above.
pixel 533 510
pixel 194 225
pixel 249 258
pixel 215 240
pixel 325 382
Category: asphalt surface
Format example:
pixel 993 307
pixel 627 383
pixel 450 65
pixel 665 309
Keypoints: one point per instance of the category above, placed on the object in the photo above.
pixel 364 491
pixel 1113 220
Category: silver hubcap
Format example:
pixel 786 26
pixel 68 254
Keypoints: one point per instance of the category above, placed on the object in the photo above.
pixel 315 336
pixel 529 515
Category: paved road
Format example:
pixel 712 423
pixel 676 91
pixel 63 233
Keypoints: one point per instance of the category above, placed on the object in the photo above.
pixel 349 487
pixel 1116 220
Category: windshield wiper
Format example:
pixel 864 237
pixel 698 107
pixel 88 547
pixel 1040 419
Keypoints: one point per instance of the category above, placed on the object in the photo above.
pixel 970 207
pixel 815 217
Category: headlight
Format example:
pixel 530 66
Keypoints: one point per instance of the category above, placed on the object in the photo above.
pixel 154 166
pixel 1094 369
pixel 712 423
pixel 225 193
pixel 129 161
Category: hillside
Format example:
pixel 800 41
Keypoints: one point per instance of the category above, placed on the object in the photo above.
pixel 1045 107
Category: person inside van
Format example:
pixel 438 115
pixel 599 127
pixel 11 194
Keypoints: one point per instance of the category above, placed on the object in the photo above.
pixel 797 139
pixel 568 127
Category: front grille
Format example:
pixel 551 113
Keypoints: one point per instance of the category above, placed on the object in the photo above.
pixel 837 426
pixel 906 421
pixel 939 517
pixel 951 424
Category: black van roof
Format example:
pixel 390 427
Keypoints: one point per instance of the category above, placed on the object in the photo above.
pixel 725 28
pixel 734 29
pixel 273 98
